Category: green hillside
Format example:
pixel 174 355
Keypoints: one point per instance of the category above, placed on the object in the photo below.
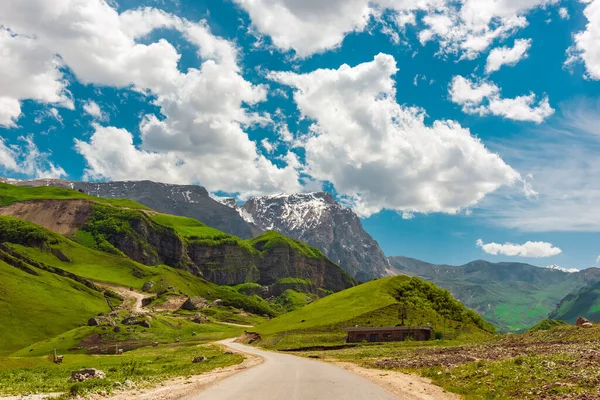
pixel 37 304
pixel 10 194
pixel 375 303
pixel 512 296
pixel 583 302
pixel 546 324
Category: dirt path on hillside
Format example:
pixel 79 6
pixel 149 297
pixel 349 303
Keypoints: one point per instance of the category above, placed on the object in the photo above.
pixel 405 386
pixel 233 324
pixel 133 300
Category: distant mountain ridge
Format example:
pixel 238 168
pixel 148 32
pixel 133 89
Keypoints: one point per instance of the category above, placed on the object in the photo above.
pixel 513 296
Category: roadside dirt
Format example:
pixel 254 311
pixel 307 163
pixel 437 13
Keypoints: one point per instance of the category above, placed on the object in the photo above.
pixel 60 216
pixel 185 388
pixel 405 386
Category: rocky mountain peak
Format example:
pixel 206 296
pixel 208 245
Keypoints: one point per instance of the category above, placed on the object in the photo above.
pixel 320 221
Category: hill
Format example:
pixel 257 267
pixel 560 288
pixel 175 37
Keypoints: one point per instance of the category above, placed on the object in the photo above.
pixel 512 296
pixel 583 302
pixel 375 303
pixel 546 324
pixel 151 238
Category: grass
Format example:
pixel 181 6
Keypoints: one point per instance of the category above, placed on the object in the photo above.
pixel 146 366
pixel 10 194
pixel 33 307
pixel 272 239
pixel 546 324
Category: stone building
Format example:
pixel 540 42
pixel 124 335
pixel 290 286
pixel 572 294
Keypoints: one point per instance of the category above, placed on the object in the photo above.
pixel 389 334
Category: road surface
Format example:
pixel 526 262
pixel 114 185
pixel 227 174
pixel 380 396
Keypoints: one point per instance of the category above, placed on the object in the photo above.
pixel 287 377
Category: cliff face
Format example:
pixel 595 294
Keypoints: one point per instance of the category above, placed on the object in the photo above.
pixel 222 259
pixel 320 221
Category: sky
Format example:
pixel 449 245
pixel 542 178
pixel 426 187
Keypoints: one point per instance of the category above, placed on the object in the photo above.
pixel 457 130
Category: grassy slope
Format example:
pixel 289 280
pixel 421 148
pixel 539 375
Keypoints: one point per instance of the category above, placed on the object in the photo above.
pixel 375 303
pixel 11 194
pixel 34 307
pixel 546 324
pixel 271 239
pixel 584 302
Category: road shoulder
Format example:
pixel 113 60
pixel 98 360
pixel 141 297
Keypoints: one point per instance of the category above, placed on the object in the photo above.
pixel 404 386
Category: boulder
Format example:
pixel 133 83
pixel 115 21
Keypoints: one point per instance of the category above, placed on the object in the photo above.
pixel 148 286
pixel 217 303
pixel 586 325
pixel 87 374
pixel 117 329
pixel 195 303
pixel 145 324
pixel 580 321
pixel 249 338
pixel 198 359
pixel 199 318
pixel 101 321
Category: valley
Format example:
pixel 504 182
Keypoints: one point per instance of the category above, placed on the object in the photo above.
pixel 148 299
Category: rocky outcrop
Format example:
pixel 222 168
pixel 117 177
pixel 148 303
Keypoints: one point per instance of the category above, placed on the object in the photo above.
pixel 225 264
pixel 580 321
pixel 320 221
pixel 87 374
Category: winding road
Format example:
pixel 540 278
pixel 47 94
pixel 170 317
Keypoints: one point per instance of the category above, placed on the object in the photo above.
pixel 287 377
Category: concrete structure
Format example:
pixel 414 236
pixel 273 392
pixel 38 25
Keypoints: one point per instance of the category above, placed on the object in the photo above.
pixel 389 334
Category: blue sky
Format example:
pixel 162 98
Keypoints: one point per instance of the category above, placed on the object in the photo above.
pixel 452 121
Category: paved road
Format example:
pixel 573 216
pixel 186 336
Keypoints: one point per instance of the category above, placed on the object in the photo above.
pixel 286 377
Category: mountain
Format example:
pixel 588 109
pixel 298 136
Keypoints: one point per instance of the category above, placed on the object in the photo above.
pixel 185 200
pixel 513 296
pixel 153 238
pixel 583 302
pixel 320 221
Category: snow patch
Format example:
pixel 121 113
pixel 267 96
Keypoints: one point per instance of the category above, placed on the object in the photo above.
pixel 559 268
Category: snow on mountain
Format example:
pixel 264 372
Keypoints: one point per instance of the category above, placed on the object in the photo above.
pixel 322 222
pixel 559 268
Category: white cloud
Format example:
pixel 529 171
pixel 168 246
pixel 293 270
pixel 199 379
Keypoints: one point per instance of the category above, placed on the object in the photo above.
pixel 597 259
pixel 29 71
pixel 564 13
pixel 93 109
pixel 268 146
pixel 528 249
pixel 507 55
pixel 308 27
pixel 27 159
pixel 382 154
pixel 465 27
pixel 484 98
pixel 201 136
pixel 586 46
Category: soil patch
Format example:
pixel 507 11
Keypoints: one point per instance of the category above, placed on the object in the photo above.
pixel 60 216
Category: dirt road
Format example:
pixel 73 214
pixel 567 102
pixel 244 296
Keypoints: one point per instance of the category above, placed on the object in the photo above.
pixel 132 299
pixel 282 376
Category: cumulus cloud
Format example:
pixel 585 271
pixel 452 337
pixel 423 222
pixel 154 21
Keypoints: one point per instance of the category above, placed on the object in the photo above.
pixel 484 98
pixel 27 159
pixel 507 55
pixel 528 249
pixel 586 46
pixel 29 71
pixel 200 137
pixel 93 109
pixel 382 154
pixel 464 28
